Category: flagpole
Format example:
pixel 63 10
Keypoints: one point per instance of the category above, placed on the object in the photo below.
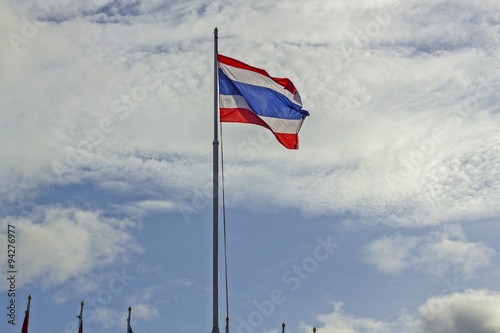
pixel 129 330
pixel 81 311
pixel 80 327
pixel 215 328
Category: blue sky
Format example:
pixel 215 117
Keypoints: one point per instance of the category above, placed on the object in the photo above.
pixel 385 220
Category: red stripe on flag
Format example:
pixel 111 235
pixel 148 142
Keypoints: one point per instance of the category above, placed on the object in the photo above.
pixel 284 82
pixel 238 115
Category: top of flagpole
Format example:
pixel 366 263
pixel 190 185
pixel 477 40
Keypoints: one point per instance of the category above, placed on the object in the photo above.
pixel 29 298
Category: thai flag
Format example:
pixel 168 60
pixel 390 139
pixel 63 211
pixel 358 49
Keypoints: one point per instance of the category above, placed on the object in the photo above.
pixel 250 95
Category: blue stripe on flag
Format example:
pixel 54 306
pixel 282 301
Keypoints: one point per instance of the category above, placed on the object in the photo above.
pixel 263 101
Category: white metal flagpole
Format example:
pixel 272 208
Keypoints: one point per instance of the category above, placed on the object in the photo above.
pixel 215 328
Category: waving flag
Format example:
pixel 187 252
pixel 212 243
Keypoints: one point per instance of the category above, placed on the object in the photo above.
pixel 250 95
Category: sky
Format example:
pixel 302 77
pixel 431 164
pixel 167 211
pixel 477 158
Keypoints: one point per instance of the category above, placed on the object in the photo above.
pixel 385 220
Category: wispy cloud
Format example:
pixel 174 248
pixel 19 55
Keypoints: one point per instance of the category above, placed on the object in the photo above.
pixel 403 126
pixel 403 131
pixel 145 303
pixel 143 207
pixel 62 244
pixel 441 252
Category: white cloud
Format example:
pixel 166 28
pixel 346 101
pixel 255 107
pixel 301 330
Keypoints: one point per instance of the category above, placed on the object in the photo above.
pixel 403 127
pixel 112 318
pixel 446 250
pixel 143 207
pixel 57 245
pixel 474 311
pixel 146 311
pixel 403 130
pixel 392 254
pixel 340 322
pixel 108 318
pixel 145 304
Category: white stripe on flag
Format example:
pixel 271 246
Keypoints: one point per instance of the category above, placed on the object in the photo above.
pixel 285 126
pixel 277 125
pixel 256 79
pixel 233 102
